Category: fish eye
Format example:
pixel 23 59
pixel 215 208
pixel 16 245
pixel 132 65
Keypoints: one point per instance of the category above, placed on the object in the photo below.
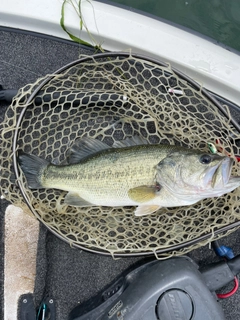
pixel 205 159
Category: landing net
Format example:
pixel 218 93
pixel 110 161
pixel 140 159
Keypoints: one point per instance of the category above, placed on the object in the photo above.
pixel 111 97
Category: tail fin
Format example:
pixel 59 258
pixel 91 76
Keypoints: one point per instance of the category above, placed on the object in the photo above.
pixel 32 167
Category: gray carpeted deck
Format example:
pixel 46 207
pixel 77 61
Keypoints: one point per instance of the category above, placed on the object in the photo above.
pixel 68 275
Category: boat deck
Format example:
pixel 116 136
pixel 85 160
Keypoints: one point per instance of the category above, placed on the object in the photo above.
pixel 69 276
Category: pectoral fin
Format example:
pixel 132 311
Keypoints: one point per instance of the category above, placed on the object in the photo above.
pixel 73 199
pixel 145 210
pixel 142 193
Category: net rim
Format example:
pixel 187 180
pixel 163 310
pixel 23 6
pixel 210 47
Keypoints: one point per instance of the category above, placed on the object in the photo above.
pixel 149 253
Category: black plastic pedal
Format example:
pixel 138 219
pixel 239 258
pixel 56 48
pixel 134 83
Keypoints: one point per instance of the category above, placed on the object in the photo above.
pixel 27 309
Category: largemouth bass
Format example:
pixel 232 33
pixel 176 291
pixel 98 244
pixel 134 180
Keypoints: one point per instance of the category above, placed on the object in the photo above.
pixel 132 173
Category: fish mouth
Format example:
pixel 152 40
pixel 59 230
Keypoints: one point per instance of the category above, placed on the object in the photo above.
pixel 222 173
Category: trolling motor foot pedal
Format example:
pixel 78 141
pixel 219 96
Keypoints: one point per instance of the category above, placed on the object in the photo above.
pixel 173 289
pixel 27 310
pixel 26 307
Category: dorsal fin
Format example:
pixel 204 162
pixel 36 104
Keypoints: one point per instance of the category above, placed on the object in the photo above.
pixel 83 148
pixel 129 142
pixel 86 146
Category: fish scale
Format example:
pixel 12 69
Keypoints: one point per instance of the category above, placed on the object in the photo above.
pixel 107 172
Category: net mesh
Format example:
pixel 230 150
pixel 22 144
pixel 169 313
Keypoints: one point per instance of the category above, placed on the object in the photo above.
pixel 111 98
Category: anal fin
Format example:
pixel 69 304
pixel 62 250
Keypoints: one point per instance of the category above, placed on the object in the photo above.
pixel 73 199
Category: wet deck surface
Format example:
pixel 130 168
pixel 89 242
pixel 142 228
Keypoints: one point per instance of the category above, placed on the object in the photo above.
pixel 68 275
